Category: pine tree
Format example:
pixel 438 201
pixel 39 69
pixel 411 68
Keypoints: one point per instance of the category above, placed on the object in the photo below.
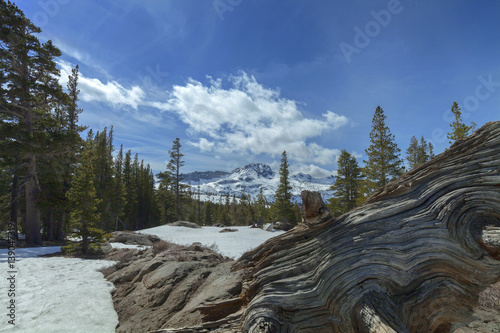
pixel 72 144
pixel 419 152
pixel 166 198
pixel 129 180
pixel 146 199
pixel 198 198
pixel 458 129
pixel 103 143
pixel 109 182
pixel 347 184
pixel 209 213
pixel 73 109
pixel 136 185
pixel 233 214
pixel 413 152
pixel 83 198
pixel 261 207
pixel 28 91
pixel 282 206
pixel 384 163
pixel 119 198
pixel 173 168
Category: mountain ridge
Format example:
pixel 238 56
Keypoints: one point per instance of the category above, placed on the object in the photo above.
pixel 249 179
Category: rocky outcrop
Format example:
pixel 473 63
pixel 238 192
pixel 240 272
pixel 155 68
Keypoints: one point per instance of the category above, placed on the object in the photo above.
pixel 165 286
pixel 228 230
pixel 185 224
pixel 282 226
pixel 132 238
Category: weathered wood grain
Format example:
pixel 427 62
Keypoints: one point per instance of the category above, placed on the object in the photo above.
pixel 413 258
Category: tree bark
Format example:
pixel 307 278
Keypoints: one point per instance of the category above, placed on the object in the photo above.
pixel 49 224
pixel 33 236
pixel 413 258
pixel 60 225
pixel 13 203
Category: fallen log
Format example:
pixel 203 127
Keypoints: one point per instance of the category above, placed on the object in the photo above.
pixel 413 258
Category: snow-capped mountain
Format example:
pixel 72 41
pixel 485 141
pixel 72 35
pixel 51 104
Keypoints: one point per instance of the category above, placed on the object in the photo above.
pixel 249 179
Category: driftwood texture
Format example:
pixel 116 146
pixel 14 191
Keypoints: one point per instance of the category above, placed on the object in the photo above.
pixel 413 258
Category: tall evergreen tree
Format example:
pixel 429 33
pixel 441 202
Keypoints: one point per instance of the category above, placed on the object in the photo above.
pixel 129 180
pixel 73 109
pixel 119 197
pixel 347 184
pixel 282 206
pixel 103 145
pixel 146 201
pixel 109 180
pixel 173 168
pixel 419 152
pixel 28 90
pixel 384 162
pixel 166 198
pixel 72 145
pixel 135 180
pixel 209 213
pixel 261 207
pixel 198 202
pixel 458 129
pixel 83 199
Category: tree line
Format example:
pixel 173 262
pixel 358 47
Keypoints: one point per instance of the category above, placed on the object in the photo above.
pixel 354 184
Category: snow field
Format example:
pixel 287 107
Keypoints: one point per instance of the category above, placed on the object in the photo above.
pixel 57 294
pixel 230 244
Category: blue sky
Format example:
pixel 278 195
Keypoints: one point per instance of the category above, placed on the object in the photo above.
pixel 239 81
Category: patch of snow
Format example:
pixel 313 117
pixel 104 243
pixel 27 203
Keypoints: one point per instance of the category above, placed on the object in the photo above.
pixel 128 246
pixel 230 244
pixel 29 252
pixel 57 294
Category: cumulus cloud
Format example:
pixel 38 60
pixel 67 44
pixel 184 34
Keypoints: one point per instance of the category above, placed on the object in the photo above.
pixel 245 117
pixel 110 92
pixel 250 118
pixel 203 144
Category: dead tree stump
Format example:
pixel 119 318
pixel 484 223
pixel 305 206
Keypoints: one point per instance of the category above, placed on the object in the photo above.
pixel 413 258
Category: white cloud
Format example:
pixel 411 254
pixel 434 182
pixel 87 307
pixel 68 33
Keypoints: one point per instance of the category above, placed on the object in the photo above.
pixel 111 93
pixel 335 120
pixel 251 118
pixel 246 118
pixel 203 144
